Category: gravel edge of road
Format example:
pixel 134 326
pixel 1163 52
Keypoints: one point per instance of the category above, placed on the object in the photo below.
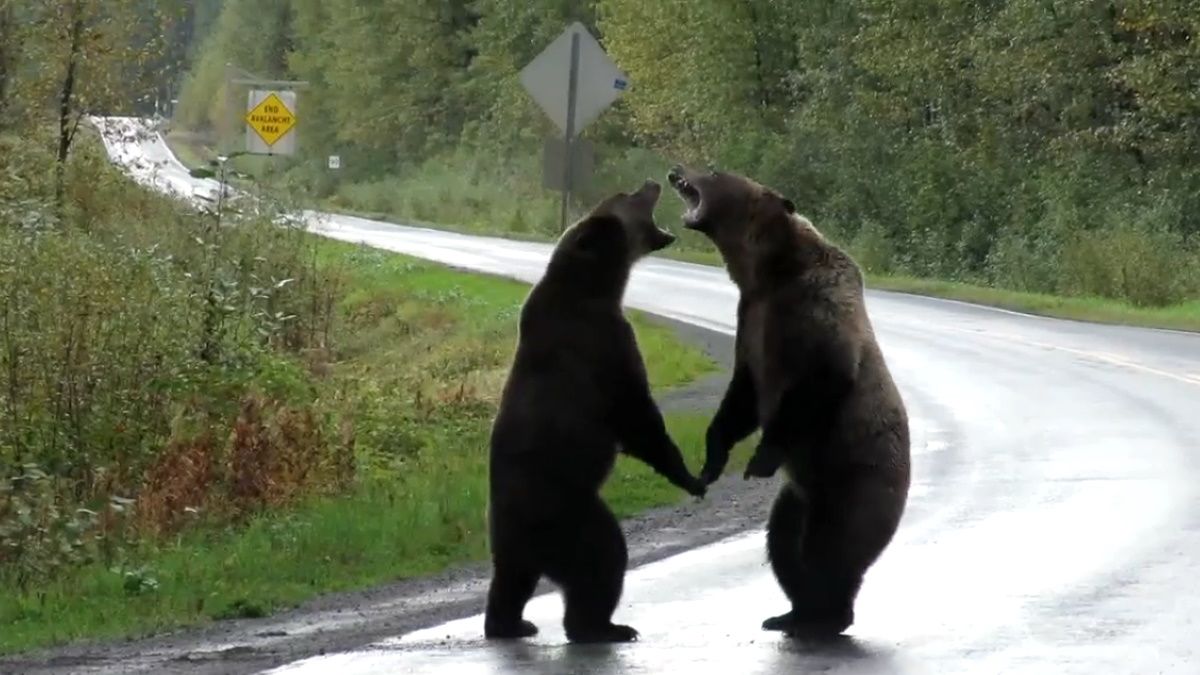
pixel 345 620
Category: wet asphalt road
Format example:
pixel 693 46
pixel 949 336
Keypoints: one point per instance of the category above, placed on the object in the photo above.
pixel 1053 524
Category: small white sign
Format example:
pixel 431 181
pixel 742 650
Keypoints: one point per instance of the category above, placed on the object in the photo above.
pixel 335 162
pixel 547 78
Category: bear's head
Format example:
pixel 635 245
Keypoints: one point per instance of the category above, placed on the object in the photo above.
pixel 621 226
pixel 751 225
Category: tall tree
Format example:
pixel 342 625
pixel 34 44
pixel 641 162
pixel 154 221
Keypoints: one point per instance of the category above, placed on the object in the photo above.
pixel 704 73
pixel 250 36
pixel 395 70
pixel 10 46
pixel 81 57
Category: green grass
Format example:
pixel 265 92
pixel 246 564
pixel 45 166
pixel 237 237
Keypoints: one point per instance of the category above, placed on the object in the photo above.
pixel 194 153
pixel 1184 316
pixel 381 533
pixel 488 306
pixel 421 355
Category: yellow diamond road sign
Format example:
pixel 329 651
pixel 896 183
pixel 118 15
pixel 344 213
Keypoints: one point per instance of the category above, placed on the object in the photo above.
pixel 271 119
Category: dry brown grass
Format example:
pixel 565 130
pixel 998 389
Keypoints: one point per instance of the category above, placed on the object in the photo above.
pixel 274 456
pixel 178 484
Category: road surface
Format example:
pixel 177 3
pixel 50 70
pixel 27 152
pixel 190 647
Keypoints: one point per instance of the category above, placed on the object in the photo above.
pixel 1053 524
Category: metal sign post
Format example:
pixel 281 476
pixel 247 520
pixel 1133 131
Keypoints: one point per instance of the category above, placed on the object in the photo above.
pixel 554 157
pixel 568 144
pixel 593 82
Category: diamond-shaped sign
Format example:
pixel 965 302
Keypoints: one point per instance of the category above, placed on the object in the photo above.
pixel 599 82
pixel 271 119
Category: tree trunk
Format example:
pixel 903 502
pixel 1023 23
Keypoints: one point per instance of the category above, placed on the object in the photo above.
pixel 764 93
pixel 66 130
pixel 8 51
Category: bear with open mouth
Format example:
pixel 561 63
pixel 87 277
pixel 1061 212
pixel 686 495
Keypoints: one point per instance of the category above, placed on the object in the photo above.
pixel 810 374
pixel 577 393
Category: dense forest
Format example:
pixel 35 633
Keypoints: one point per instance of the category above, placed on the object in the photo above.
pixel 1031 144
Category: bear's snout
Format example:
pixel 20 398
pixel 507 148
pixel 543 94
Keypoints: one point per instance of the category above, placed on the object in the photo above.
pixel 650 190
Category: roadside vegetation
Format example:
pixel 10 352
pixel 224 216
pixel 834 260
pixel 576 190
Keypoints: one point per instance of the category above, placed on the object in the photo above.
pixel 203 419
pixel 1041 152
pixel 205 422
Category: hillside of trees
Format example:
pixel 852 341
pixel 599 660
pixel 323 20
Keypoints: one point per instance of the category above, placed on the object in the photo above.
pixel 1029 144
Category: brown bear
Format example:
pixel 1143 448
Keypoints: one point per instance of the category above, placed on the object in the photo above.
pixel 809 373
pixel 576 393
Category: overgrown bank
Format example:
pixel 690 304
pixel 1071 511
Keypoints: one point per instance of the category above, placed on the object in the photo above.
pixel 206 422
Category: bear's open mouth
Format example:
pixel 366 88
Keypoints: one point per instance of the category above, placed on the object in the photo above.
pixel 686 191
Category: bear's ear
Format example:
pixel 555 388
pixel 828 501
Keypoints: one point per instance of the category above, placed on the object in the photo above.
pixel 788 205
pixel 599 234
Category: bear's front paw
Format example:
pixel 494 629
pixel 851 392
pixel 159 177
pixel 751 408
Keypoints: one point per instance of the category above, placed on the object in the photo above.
pixel 716 456
pixel 764 463
pixel 696 487
pixel 688 483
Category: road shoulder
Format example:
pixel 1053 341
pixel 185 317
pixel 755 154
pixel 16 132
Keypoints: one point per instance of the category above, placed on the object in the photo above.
pixel 340 621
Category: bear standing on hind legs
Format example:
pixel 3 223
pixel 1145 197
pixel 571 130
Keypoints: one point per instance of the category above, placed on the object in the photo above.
pixel 809 373
pixel 577 391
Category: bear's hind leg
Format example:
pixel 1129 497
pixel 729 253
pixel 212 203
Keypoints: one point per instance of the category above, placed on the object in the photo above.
pixel 823 606
pixel 819 585
pixel 785 550
pixel 850 524
pixel 516 568
pixel 589 565
pixel 512 586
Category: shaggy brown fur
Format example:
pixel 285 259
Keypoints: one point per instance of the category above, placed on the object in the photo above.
pixel 577 391
pixel 810 374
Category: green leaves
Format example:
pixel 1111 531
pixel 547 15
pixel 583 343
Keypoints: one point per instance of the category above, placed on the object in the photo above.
pixel 952 127
pixel 39 533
